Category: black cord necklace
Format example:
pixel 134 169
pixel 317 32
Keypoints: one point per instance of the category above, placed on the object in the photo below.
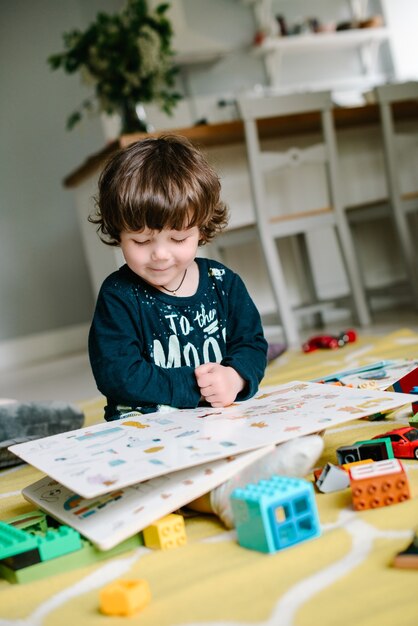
pixel 174 291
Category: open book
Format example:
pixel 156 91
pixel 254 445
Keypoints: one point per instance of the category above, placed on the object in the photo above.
pixel 109 519
pixel 95 460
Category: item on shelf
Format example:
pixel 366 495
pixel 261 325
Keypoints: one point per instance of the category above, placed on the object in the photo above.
pixel 375 21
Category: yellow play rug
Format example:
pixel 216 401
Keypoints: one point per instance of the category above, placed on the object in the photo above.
pixel 343 577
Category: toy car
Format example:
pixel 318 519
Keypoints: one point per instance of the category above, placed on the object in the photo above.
pixel 404 442
pixel 330 342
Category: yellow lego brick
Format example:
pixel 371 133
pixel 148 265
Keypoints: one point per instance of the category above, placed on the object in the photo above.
pixel 124 597
pixel 347 466
pixel 166 533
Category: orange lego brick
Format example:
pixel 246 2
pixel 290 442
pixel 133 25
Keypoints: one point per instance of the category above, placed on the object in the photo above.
pixel 378 484
pixel 124 597
pixel 166 533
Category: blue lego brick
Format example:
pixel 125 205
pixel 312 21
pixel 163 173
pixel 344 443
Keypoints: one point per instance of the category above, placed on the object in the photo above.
pixel 275 514
pixel 14 541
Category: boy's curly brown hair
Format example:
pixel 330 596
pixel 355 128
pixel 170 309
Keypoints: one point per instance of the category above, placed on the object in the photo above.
pixel 159 183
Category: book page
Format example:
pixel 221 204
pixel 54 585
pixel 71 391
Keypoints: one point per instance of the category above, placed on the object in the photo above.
pixel 95 460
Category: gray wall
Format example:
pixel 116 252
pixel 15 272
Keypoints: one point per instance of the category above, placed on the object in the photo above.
pixel 44 283
pixel 43 277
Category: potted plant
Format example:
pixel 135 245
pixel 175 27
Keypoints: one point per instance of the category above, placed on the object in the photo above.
pixel 127 58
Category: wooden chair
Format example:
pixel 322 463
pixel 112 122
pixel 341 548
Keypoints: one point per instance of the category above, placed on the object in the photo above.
pixel 274 226
pixel 403 206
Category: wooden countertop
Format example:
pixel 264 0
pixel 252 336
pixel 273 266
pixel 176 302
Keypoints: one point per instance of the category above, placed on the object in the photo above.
pixel 224 133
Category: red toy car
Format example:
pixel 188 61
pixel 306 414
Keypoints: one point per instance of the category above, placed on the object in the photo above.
pixel 329 342
pixel 404 442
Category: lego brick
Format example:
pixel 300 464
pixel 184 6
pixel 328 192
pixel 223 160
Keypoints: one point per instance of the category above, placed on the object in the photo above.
pixel 124 597
pixel 275 514
pixel 378 484
pixel 87 555
pixel 24 559
pixel 348 454
pixel 166 533
pixel 34 520
pixel 332 478
pixel 408 559
pixel 347 466
pixel 14 541
pixel 413 421
pixel 376 449
pixel 56 543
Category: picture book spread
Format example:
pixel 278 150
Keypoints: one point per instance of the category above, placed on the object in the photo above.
pixel 383 374
pixel 382 377
pixel 113 517
pixel 95 460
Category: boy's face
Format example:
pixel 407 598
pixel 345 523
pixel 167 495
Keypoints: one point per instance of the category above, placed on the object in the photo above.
pixel 160 257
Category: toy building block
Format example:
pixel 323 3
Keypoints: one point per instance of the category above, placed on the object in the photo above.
pixel 15 541
pixel 408 559
pixel 166 533
pixel 347 466
pixel 58 542
pixel 275 514
pixel 332 478
pixel 413 421
pixel 21 548
pixel 377 449
pixel 378 484
pixel 124 597
pixel 87 555
pixel 348 454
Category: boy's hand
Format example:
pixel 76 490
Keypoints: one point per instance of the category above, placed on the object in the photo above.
pixel 219 385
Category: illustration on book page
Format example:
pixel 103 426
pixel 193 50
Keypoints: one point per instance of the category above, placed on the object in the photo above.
pixel 109 519
pixel 108 456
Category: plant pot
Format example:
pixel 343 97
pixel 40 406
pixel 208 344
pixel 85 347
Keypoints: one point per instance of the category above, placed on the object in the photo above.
pixel 134 119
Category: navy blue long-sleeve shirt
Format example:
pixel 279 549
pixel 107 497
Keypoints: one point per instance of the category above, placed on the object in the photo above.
pixel 144 344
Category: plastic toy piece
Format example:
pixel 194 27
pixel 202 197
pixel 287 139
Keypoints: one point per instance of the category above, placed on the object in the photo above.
pixel 166 533
pixel 404 442
pixel 275 514
pixel 14 541
pixel 124 597
pixel 378 484
pixel 87 555
pixel 332 478
pixel 58 542
pixel 408 559
pixel 377 450
pixel 347 466
pixel 330 342
pixel 413 421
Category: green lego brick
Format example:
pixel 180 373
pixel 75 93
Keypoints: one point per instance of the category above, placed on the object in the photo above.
pixel 35 520
pixel 413 421
pixel 374 442
pixel 87 555
pixel 15 541
pixel 56 543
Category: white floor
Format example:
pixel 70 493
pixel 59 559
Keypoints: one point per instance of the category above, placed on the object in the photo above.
pixel 70 379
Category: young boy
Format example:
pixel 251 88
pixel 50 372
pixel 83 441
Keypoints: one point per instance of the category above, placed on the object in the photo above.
pixel 171 329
